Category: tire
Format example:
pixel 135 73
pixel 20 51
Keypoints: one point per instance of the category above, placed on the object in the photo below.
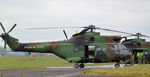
pixel 126 65
pixel 117 65
pixel 76 65
pixel 81 65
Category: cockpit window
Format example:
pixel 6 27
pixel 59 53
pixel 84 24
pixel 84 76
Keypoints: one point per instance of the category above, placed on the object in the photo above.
pixel 121 47
pixel 77 39
pixel 118 47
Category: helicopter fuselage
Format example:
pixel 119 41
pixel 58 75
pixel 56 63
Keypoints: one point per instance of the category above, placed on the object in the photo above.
pixel 88 47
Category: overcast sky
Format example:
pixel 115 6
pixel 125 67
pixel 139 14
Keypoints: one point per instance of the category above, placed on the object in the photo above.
pixel 124 15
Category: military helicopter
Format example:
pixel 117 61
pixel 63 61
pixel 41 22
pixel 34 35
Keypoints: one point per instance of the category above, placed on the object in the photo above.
pixel 138 45
pixel 83 47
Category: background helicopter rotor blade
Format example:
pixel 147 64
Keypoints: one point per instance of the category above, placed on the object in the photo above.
pixel 12 28
pixel 137 35
pixel 146 36
pixel 130 34
pixel 2 27
pixel 141 35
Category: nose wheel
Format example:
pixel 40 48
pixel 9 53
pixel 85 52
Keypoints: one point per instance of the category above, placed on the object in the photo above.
pixel 79 66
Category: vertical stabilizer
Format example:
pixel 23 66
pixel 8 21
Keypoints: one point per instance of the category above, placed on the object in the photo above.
pixel 11 41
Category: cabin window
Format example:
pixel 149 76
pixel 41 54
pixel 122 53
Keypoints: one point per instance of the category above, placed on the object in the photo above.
pixel 117 52
pixel 76 49
pixel 92 39
pixel 146 53
pixel 91 48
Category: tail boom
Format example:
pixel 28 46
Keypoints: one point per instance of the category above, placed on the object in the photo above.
pixel 45 47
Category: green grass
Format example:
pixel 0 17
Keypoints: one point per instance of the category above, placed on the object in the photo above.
pixel 132 71
pixel 30 62
pixel 38 62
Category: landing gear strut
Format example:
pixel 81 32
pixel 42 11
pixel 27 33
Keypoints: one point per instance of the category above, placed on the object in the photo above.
pixel 77 65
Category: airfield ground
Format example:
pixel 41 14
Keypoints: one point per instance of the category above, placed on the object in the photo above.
pixel 56 67
pixel 131 71
pixel 37 62
pixel 53 72
pixel 37 66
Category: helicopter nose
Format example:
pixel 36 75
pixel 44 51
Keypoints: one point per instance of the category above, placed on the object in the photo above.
pixel 125 54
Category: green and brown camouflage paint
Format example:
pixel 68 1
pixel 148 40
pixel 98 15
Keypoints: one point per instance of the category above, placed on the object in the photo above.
pixel 65 49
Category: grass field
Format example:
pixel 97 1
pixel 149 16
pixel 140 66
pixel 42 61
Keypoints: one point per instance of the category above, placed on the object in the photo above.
pixel 132 71
pixel 37 62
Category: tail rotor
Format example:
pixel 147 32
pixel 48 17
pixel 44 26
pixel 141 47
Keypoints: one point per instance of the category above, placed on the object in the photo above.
pixel 5 34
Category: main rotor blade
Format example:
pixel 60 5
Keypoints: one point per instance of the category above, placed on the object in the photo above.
pixel 89 27
pixel 114 31
pixel 50 28
pixel 140 35
pixel 12 28
pixel 145 36
pixel 2 27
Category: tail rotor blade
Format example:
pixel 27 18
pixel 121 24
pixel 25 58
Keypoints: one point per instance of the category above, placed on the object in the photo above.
pixel 4 45
pixel 12 28
pixel 2 27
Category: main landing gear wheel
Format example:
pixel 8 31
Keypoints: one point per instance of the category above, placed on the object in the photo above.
pixel 126 65
pixel 82 65
pixel 76 65
pixel 117 65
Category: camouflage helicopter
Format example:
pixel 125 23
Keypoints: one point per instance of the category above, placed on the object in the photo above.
pixel 138 45
pixel 83 47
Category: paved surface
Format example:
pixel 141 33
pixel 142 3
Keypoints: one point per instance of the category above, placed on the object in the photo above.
pixel 49 71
